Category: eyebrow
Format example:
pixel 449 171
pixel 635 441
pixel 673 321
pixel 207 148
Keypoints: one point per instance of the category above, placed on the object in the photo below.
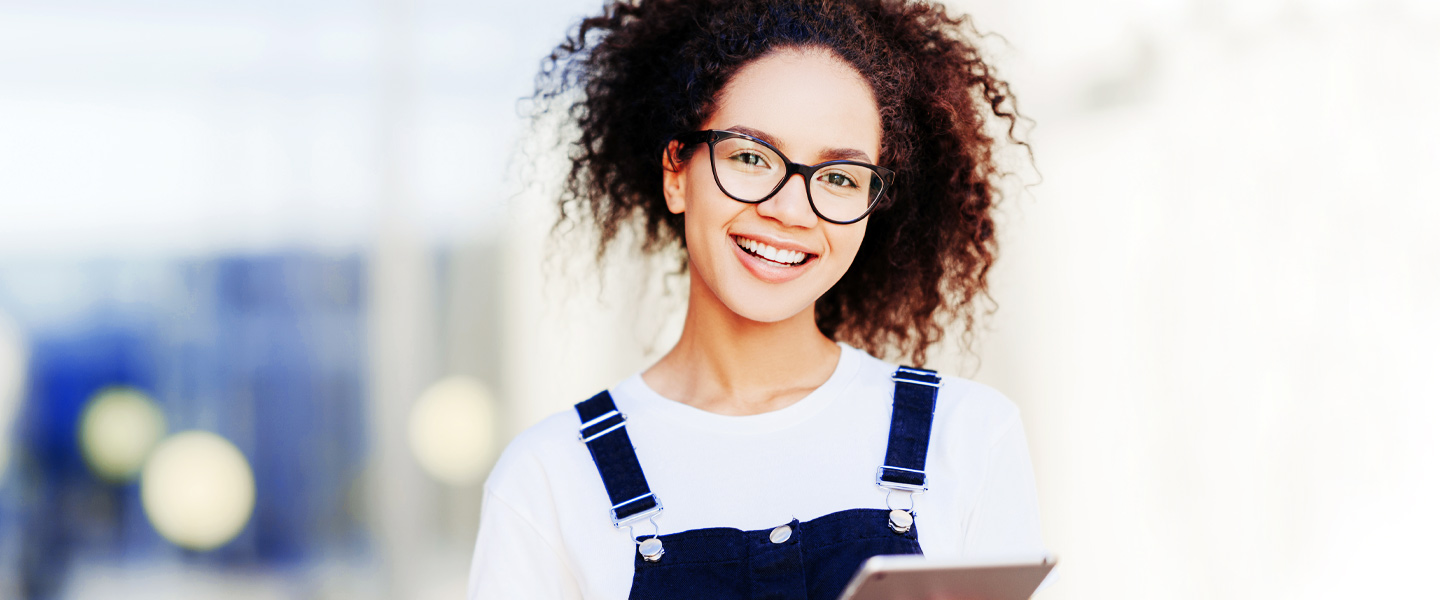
pixel 826 154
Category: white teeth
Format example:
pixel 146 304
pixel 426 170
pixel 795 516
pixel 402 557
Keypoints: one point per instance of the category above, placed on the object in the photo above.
pixel 789 257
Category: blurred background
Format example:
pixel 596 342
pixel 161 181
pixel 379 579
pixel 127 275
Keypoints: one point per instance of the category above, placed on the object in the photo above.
pixel 276 288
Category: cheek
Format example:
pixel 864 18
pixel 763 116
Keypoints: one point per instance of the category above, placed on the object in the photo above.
pixel 706 219
pixel 846 242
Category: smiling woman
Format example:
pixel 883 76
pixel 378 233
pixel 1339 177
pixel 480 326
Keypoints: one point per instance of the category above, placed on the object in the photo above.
pixel 741 252
pixel 822 171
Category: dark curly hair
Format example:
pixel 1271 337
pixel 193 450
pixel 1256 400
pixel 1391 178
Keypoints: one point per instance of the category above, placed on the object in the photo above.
pixel 647 70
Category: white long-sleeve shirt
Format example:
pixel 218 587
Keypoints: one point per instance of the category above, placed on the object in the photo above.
pixel 545 530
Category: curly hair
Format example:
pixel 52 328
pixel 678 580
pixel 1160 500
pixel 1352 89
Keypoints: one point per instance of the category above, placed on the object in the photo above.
pixel 647 70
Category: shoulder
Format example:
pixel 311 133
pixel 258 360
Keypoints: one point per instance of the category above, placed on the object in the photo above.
pixel 546 436
pixel 963 407
pixel 534 457
pixel 538 535
pixel 976 407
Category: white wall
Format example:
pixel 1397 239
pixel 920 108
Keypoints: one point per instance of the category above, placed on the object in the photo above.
pixel 1219 310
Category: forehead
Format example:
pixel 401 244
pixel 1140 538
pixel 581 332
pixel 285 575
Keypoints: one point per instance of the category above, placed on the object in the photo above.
pixel 807 100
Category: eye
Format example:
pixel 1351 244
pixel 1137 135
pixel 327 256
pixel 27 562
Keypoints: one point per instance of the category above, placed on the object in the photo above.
pixel 750 159
pixel 838 179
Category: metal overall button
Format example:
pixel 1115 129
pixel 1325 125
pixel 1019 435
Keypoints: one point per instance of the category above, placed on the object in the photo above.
pixel 651 549
pixel 901 520
pixel 779 534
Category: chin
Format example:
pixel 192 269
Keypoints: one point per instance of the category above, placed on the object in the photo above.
pixel 770 316
pixel 754 307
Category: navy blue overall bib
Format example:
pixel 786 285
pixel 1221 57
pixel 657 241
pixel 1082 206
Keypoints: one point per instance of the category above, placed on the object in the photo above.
pixel 812 560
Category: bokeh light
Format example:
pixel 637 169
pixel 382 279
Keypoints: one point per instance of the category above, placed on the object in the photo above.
pixel 118 428
pixel 198 490
pixel 452 430
pixel 12 374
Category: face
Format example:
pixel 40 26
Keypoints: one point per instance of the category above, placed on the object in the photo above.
pixel 813 107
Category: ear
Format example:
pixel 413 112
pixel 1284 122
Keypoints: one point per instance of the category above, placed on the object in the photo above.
pixel 675 178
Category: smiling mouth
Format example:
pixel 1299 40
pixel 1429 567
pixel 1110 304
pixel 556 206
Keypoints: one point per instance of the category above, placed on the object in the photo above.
pixel 771 254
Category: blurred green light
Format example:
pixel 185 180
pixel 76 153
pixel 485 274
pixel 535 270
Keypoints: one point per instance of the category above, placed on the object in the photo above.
pixel 119 426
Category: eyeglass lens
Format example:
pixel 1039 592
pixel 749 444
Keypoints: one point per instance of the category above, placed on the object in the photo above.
pixel 750 171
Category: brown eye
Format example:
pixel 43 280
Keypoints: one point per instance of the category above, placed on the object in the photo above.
pixel 750 159
pixel 838 179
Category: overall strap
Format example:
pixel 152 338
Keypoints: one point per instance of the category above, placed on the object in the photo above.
pixel 602 430
pixel 910 420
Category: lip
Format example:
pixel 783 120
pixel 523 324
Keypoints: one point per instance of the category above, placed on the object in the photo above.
pixel 768 271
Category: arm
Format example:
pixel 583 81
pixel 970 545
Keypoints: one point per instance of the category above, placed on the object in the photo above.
pixel 1006 518
pixel 514 560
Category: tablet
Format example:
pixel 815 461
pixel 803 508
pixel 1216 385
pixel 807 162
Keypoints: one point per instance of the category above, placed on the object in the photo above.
pixel 914 577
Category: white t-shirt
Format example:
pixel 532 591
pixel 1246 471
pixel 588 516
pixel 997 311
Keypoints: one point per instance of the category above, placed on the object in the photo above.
pixel 545 528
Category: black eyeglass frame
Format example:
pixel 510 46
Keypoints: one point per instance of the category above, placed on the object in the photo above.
pixel 710 137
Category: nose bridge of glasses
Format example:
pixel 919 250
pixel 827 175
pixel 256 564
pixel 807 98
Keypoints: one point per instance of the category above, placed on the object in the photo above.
pixel 805 172
pixel 801 188
pixel 787 202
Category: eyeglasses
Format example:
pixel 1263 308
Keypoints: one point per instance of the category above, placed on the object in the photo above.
pixel 752 171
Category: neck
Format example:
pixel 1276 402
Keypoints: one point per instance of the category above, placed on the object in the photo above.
pixel 728 364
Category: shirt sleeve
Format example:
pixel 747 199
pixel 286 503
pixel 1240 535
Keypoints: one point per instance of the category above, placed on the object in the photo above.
pixel 1006 519
pixel 513 560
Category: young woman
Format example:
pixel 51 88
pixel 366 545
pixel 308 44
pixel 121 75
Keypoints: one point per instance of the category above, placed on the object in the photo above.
pixel 823 171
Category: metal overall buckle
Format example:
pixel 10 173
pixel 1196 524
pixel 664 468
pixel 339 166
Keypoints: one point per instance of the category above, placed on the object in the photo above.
pixel 901 520
pixel 651 549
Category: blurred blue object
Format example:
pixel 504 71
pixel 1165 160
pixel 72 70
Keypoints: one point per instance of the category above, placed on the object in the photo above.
pixel 267 351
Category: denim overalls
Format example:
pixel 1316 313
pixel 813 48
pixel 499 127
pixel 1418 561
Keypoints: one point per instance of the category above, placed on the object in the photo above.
pixel 811 560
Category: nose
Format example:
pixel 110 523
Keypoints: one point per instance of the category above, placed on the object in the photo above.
pixel 790 206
